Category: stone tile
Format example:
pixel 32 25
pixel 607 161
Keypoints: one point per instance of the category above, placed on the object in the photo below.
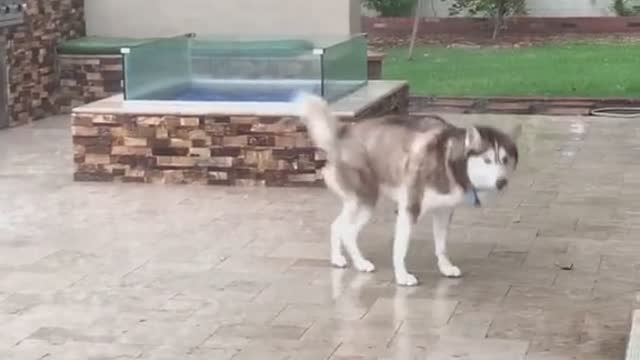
pixel 604 345
pixel 14 329
pixel 572 354
pixel 305 315
pixel 60 336
pixel 546 252
pixel 544 329
pixel 18 303
pixel 171 353
pixel 586 254
pixel 190 333
pixel 510 273
pixel 31 282
pixel 473 323
pixel 83 351
pixel 402 347
pixel 353 332
pixel 306 250
pixel 228 343
pixel 430 313
pixel 574 282
pixel 531 297
pixel 68 259
pixel 15 256
pixel 460 348
pixel 64 314
pixel 286 349
pixel 305 294
pixel 28 350
pixel 115 270
pixel 126 299
pixel 260 331
pixel 240 263
pixel 228 311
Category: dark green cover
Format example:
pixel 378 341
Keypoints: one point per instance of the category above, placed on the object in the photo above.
pixel 98 45
pixel 260 48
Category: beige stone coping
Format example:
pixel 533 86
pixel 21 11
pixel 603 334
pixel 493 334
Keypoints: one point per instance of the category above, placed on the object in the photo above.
pixel 633 346
pixel 375 55
pixel 350 106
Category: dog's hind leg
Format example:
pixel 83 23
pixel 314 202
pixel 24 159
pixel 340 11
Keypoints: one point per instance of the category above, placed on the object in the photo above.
pixel 441 222
pixel 337 228
pixel 357 215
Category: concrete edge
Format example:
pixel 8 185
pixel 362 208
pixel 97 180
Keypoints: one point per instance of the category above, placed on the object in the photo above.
pixel 633 345
pixel 348 107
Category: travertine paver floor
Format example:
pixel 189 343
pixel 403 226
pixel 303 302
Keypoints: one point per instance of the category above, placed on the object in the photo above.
pixel 106 271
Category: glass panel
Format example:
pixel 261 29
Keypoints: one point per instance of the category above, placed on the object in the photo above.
pixel 273 69
pixel 157 69
pixel 253 70
pixel 344 67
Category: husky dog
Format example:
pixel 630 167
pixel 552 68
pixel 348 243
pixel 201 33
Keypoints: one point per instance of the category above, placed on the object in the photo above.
pixel 424 164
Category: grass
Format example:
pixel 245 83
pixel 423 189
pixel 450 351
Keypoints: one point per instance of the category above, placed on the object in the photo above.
pixel 570 69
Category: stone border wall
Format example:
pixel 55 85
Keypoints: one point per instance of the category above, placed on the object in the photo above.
pixel 215 150
pixel 381 28
pixel 526 105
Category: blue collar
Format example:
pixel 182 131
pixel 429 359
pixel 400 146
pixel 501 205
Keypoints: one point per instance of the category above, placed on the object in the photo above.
pixel 472 197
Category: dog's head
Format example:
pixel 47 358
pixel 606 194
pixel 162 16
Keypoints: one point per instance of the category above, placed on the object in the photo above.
pixel 492 155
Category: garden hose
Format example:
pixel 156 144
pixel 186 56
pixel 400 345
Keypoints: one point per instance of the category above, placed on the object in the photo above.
pixel 617 112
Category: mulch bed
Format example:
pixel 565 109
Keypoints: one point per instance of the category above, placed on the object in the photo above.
pixel 504 41
pixel 516 105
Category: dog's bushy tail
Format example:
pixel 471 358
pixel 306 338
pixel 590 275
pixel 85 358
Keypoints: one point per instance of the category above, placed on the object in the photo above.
pixel 321 124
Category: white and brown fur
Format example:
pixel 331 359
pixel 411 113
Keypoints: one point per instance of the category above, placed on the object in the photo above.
pixel 424 164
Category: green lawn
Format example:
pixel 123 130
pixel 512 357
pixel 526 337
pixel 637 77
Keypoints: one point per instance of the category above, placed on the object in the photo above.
pixel 575 69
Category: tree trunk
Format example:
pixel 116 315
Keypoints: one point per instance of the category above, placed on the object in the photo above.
pixel 497 23
pixel 498 19
pixel 414 32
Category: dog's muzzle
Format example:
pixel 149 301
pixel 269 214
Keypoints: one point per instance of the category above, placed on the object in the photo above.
pixel 501 184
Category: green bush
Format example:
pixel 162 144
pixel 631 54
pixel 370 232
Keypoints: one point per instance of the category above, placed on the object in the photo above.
pixel 391 8
pixel 497 10
pixel 626 8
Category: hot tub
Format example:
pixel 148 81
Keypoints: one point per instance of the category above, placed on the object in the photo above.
pixel 217 111
pixel 250 69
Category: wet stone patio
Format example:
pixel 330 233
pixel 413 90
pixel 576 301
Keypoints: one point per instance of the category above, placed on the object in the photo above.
pixel 130 271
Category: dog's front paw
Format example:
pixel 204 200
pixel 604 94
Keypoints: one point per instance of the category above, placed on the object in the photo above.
pixel 406 279
pixel 447 268
pixel 339 261
pixel 364 265
pixel 450 271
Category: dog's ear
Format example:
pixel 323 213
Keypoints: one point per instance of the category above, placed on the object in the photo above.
pixel 472 139
pixel 516 132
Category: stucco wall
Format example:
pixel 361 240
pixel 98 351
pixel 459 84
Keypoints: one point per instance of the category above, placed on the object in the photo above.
pixel 146 18
pixel 551 8
pixel 569 7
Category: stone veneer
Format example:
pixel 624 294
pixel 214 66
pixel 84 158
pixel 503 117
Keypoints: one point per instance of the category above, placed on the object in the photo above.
pixel 31 56
pixel 216 150
pixel 87 78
